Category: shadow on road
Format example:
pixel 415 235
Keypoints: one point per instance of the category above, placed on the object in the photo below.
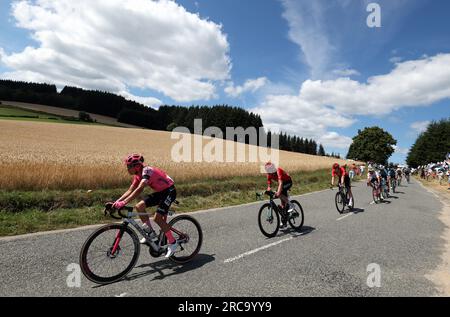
pixel 163 266
pixel 397 192
pixel 357 210
pixel 305 230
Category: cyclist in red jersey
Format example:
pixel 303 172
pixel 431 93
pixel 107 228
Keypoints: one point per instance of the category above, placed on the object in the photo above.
pixel 164 195
pixel 284 184
pixel 343 178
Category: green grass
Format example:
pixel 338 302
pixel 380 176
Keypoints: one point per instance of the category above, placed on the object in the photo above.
pixel 16 113
pixel 27 212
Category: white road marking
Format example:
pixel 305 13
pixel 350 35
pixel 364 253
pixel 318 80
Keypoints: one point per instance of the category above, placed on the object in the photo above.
pixel 122 295
pixel 348 215
pixel 265 247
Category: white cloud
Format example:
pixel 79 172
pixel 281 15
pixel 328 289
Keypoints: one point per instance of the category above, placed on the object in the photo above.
pixel 401 150
pixel 250 85
pixel 333 139
pixel 420 126
pixel 147 101
pixel 306 29
pixel 321 105
pixel 346 72
pixel 115 44
pixel 411 83
pixel 396 59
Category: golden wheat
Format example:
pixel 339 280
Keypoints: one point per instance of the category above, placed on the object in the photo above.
pixel 37 155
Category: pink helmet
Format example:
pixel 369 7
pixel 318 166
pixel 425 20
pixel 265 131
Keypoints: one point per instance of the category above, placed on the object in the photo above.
pixel 270 168
pixel 133 160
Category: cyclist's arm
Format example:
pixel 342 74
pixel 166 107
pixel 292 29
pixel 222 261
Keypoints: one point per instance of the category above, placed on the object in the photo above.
pixel 128 192
pixel 280 186
pixel 135 193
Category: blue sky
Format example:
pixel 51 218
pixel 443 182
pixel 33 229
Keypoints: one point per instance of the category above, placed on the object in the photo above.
pixel 311 68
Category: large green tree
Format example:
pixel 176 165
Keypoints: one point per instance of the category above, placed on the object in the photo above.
pixel 432 145
pixel 372 144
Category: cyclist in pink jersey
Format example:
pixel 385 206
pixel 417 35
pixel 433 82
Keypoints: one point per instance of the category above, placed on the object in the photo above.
pixel 164 195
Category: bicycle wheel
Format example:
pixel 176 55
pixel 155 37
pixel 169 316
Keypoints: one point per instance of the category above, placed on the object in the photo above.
pixel 188 232
pixel 296 218
pixel 340 202
pixel 109 253
pixel 268 221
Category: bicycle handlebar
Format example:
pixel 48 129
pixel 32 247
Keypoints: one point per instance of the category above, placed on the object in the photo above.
pixel 110 210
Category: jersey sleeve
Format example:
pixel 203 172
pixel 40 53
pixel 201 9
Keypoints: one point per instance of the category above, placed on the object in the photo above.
pixel 147 174
pixel 280 173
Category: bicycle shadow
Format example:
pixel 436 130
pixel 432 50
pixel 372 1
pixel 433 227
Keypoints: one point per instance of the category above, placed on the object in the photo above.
pixel 356 211
pixel 397 192
pixel 305 230
pixel 163 265
pixel 158 267
pixel 395 197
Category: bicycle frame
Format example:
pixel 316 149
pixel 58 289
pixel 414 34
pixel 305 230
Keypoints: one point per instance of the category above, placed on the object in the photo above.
pixel 343 190
pixel 128 220
pixel 275 206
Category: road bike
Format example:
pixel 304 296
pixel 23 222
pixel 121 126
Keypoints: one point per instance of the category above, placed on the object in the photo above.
pixel 393 183
pixel 376 192
pixel 384 189
pixel 342 199
pixel 112 251
pixel 408 178
pixel 270 215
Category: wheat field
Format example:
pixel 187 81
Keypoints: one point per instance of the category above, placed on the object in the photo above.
pixel 41 156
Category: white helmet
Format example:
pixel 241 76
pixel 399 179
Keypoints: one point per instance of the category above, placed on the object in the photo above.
pixel 270 168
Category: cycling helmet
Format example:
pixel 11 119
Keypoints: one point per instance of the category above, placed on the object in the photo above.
pixel 134 160
pixel 335 165
pixel 270 168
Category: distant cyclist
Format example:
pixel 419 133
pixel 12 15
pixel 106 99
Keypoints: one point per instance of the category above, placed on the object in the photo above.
pixel 399 175
pixel 284 184
pixel 384 177
pixel 343 179
pixel 374 181
pixel 392 177
pixel 164 195
pixel 407 173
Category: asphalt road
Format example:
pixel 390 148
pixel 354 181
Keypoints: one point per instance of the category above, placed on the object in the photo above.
pixel 329 258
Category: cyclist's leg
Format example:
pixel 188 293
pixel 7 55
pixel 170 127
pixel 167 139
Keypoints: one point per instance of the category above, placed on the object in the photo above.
pixel 149 201
pixel 284 197
pixel 167 198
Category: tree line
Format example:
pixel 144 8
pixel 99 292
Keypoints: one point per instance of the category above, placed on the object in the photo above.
pixel 166 118
pixel 432 145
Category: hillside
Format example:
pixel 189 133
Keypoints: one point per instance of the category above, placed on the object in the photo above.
pixel 73 156
pixel 67 112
